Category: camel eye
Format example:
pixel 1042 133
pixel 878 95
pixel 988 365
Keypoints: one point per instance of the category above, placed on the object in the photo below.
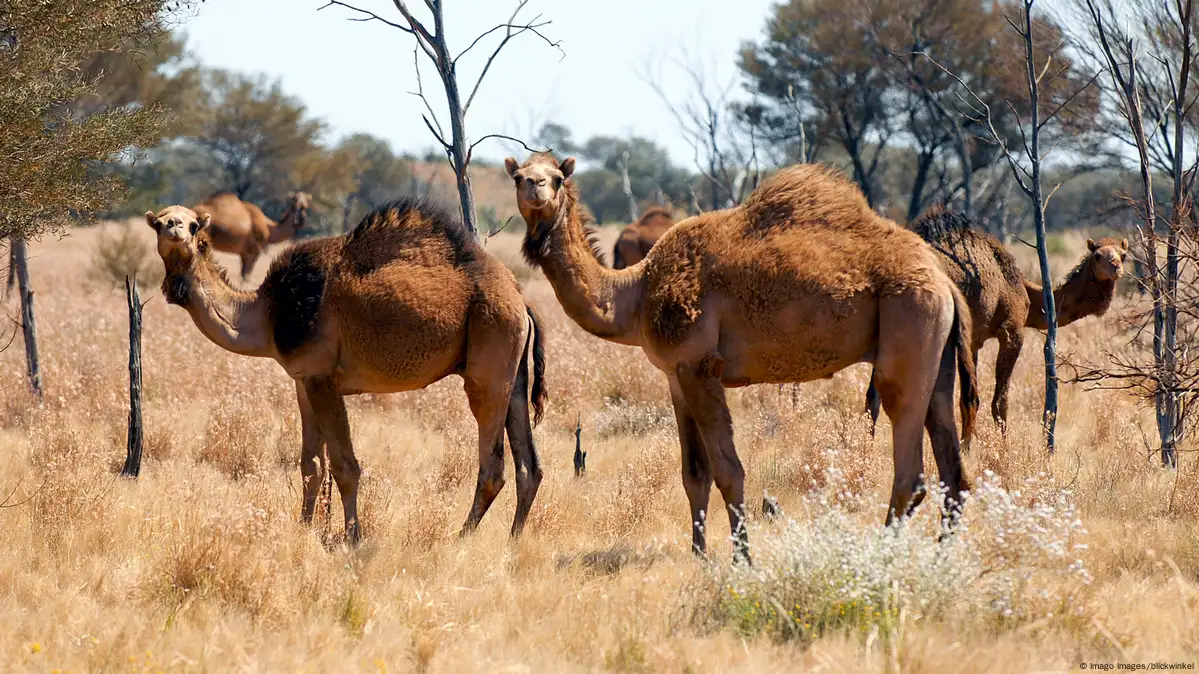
pixel 517 179
pixel 557 182
pixel 195 227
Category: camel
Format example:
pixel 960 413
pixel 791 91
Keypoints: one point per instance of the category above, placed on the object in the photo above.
pixel 797 283
pixel 329 310
pixel 1002 302
pixel 241 228
pixel 634 241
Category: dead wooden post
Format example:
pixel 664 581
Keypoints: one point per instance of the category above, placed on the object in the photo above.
pixel 580 455
pixel 20 264
pixel 770 506
pixel 133 448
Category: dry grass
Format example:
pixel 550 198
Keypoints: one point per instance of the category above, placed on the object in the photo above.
pixel 201 565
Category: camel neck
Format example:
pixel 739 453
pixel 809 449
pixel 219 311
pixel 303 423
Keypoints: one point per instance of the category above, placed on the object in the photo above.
pixel 282 230
pixel 604 302
pixel 235 320
pixel 1079 296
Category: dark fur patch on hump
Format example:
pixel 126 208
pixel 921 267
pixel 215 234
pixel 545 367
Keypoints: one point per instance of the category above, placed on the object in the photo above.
pixel 958 238
pixel 294 287
pixel 396 214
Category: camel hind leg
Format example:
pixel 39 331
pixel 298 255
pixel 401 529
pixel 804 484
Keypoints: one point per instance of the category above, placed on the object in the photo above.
pixel 873 402
pixel 526 465
pixel 492 362
pixel 906 369
pixel 489 404
pixel 943 434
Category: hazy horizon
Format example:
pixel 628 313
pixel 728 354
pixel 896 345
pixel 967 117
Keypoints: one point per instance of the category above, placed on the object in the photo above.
pixel 357 75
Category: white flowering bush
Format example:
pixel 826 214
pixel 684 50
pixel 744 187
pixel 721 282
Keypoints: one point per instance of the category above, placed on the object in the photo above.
pixel 1012 559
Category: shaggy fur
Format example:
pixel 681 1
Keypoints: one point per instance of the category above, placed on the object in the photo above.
pixel 800 282
pixel 1002 302
pixel 401 301
pixel 637 239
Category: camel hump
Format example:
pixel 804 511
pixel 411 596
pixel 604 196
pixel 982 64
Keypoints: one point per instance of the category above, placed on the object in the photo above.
pixel 808 193
pixel 655 216
pixel 412 227
pixel 956 237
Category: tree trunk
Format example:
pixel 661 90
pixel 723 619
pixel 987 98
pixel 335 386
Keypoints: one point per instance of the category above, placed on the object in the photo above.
pixel 347 208
pixel 963 150
pixel 1168 408
pixel 924 162
pixel 1049 416
pixel 627 187
pixel 133 448
pixel 459 152
pixel 20 263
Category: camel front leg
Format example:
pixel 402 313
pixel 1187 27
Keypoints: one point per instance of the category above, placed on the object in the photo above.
pixel 697 473
pixel 702 390
pixel 329 409
pixel 312 460
pixel 248 258
pixel 1010 344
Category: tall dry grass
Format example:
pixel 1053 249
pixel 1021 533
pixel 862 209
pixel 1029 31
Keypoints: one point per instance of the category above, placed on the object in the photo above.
pixel 202 565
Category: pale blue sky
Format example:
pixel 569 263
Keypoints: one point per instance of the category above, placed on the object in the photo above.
pixel 356 75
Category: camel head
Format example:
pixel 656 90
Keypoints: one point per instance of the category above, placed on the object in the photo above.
pixel 297 208
pixel 1107 258
pixel 181 235
pixel 540 189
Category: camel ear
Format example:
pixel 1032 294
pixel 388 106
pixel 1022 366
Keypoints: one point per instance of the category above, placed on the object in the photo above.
pixel 203 220
pixel 511 166
pixel 1091 245
pixel 567 167
pixel 152 220
pixel 1124 245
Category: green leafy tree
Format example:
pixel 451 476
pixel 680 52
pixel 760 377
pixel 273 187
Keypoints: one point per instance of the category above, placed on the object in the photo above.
pixel 257 133
pixel 50 141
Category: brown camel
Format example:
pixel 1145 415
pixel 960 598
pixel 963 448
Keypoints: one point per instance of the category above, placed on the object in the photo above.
pixel 634 241
pixel 799 282
pixel 1002 302
pixel 329 309
pixel 241 228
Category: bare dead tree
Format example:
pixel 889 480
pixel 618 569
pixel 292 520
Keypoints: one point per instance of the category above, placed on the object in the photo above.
pixel 20 269
pixel 724 146
pixel 580 458
pixel 1026 163
pixel 1168 380
pixel 133 448
pixel 626 185
pixel 433 44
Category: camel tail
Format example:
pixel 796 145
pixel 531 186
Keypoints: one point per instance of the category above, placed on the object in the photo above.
pixel 960 337
pixel 537 392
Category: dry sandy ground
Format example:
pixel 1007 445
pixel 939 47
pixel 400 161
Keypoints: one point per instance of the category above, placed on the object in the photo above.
pixel 202 565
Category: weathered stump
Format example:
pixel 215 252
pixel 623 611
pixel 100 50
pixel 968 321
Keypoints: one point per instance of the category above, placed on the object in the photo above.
pixel 20 265
pixel 133 447
pixel 580 455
